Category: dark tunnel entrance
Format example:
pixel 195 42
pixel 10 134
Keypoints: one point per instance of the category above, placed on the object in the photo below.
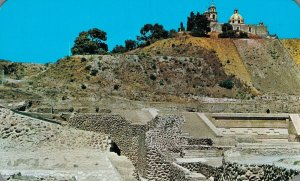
pixel 114 148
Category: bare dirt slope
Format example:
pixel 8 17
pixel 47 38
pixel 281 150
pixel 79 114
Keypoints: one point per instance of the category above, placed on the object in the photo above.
pixel 293 46
pixel 224 49
pixel 271 67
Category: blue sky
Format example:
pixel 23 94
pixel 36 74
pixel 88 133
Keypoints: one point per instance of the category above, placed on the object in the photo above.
pixel 43 30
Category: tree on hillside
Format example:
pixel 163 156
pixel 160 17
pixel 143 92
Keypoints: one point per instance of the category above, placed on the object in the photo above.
pixel 130 45
pixel 190 22
pixel 227 27
pixel 151 33
pixel 198 24
pixel 228 32
pixel 172 33
pixel 119 49
pixel 182 28
pixel 90 42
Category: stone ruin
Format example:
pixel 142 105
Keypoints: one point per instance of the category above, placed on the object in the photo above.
pixel 156 147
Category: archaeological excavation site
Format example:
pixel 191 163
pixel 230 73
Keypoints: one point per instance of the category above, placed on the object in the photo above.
pixel 59 122
pixel 216 100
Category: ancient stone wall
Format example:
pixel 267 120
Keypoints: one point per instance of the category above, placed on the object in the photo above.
pixel 232 172
pixel 148 146
pixel 151 148
pixel 198 141
pixel 163 138
pixel 128 137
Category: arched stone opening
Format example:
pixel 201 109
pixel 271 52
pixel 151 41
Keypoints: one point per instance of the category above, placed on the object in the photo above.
pixel 114 148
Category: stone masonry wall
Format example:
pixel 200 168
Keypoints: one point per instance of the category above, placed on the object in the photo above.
pixel 128 137
pixel 162 138
pixel 151 146
pixel 148 146
pixel 233 172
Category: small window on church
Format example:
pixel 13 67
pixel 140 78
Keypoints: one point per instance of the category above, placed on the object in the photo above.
pixel 250 29
pixel 214 16
pixel 238 28
pixel 239 21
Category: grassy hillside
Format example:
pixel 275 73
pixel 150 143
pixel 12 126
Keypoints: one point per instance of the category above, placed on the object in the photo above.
pixel 19 71
pixel 181 70
pixel 225 50
pixel 137 77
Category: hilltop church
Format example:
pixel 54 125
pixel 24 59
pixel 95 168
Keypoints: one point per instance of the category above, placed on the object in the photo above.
pixel 237 22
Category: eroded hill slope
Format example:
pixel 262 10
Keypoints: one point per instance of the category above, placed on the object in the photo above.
pixel 137 77
pixel 293 46
pixel 225 50
pixel 263 65
pixel 271 67
pixel 181 69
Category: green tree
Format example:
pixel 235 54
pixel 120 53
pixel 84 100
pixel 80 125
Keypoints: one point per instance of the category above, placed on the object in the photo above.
pixel 243 35
pixel 130 45
pixel 198 24
pixel 90 42
pixel 190 22
pixel 227 27
pixel 119 49
pixel 151 33
pixel 182 26
pixel 172 33
pixel 228 32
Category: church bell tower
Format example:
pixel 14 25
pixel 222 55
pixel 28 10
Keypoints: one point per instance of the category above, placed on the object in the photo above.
pixel 213 15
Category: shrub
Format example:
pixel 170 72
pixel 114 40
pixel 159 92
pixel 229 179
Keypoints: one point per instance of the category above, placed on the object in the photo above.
pixel 153 77
pixel 119 49
pixel 83 59
pixel 71 109
pixel 94 72
pixel 116 87
pixel 88 67
pixel 227 84
pixel 244 35
pixel 83 86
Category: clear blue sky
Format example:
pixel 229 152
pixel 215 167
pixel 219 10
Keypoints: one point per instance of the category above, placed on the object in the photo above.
pixel 41 30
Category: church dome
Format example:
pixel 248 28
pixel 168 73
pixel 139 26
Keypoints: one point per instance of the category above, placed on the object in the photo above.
pixel 236 18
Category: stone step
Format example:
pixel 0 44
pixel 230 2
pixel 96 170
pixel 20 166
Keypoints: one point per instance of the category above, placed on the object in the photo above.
pixel 201 153
pixel 277 145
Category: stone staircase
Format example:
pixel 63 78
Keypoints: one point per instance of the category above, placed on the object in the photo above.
pixel 201 153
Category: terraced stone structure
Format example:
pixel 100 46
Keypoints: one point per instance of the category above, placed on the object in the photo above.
pixel 160 150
